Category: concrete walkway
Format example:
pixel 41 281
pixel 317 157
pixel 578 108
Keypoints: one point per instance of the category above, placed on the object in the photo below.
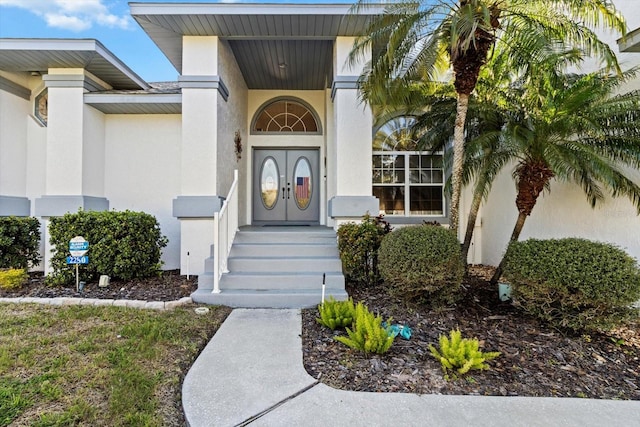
pixel 251 373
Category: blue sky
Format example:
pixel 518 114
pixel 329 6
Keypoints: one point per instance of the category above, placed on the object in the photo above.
pixel 108 21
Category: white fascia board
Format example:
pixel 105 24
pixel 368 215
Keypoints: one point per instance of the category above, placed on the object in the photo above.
pixel 630 42
pixel 121 66
pixel 243 9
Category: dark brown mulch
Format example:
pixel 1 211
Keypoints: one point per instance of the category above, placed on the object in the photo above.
pixel 169 286
pixel 536 360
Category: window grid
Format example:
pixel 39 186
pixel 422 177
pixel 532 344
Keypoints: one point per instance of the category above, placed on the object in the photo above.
pixel 285 116
pixel 418 193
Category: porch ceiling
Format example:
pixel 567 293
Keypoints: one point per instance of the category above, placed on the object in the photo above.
pixel 277 46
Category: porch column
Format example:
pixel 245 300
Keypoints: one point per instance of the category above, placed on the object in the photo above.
pixel 199 200
pixel 75 150
pixel 350 148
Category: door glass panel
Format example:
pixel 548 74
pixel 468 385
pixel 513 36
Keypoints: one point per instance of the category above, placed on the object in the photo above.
pixel 302 181
pixel 269 182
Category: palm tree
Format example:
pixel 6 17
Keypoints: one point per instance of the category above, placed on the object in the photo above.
pixel 575 129
pixel 418 39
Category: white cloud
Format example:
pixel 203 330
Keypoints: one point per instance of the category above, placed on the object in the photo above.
pixel 72 23
pixel 73 15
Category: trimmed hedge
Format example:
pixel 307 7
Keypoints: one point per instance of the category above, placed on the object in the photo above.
pixel 422 263
pixel 124 245
pixel 19 242
pixel 573 284
pixel 358 245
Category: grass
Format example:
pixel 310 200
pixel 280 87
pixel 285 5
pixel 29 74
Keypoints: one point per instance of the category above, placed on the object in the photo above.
pixel 99 366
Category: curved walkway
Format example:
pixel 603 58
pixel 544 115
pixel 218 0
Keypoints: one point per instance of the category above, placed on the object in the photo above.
pixel 251 373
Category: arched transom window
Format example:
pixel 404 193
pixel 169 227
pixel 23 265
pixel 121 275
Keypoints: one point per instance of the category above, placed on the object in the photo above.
pixel 405 180
pixel 286 115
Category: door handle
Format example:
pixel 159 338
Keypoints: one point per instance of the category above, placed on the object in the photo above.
pixel 282 193
pixel 288 190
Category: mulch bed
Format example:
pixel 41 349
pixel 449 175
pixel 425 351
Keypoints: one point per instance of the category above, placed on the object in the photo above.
pixel 536 360
pixel 169 286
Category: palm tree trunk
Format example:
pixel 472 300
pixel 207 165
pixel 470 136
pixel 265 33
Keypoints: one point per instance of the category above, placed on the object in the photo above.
pixel 458 160
pixel 473 216
pixel 522 217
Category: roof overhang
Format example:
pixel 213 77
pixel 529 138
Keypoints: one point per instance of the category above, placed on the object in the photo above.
pixel 39 55
pixel 114 103
pixel 299 33
pixel 630 42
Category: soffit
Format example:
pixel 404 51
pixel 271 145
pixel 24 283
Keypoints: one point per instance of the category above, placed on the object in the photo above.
pixel 30 55
pixel 261 36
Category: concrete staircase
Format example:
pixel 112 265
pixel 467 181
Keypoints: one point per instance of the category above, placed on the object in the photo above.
pixel 277 267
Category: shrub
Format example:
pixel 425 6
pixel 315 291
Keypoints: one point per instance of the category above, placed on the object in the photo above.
pixel 573 284
pixel 336 314
pixel 461 354
pixel 124 245
pixel 368 335
pixel 422 263
pixel 19 242
pixel 358 245
pixel 13 278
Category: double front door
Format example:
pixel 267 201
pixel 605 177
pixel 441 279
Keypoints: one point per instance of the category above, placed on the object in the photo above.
pixel 286 186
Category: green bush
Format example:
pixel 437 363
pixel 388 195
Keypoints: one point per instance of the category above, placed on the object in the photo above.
pixel 368 335
pixel 358 245
pixel 461 354
pixel 336 314
pixel 422 263
pixel 573 284
pixel 124 245
pixel 19 242
pixel 13 278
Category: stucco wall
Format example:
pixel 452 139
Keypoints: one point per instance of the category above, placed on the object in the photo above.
pixel 232 117
pixel 14 117
pixel 93 152
pixel 142 170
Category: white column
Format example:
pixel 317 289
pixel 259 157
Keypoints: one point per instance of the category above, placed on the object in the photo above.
pixel 69 151
pixel 199 198
pixel 353 122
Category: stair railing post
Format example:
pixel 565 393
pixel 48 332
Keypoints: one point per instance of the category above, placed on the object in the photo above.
pixel 216 253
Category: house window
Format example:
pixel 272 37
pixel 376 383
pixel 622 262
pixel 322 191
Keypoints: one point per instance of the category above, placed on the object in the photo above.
pixel 406 180
pixel 285 115
pixel 41 107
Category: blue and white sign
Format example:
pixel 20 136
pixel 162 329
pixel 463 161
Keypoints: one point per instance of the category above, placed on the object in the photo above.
pixel 78 260
pixel 78 247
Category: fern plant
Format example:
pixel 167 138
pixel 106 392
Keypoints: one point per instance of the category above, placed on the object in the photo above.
pixel 336 314
pixel 461 354
pixel 367 334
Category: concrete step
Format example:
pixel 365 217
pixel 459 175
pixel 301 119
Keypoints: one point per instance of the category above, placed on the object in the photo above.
pixel 284 264
pixel 266 299
pixel 284 281
pixel 284 249
pixel 205 281
pixel 314 236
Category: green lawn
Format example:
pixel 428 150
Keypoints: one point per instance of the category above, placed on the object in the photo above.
pixel 99 366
